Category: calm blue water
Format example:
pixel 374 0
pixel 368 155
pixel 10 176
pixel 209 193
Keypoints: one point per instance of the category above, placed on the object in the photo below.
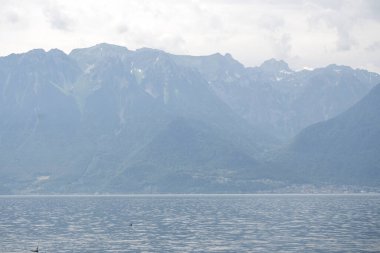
pixel 203 223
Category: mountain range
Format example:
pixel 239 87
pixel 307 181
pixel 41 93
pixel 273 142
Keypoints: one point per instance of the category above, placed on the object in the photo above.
pixel 106 119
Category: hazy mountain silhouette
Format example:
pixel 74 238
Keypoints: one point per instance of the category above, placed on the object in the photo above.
pixel 342 150
pixel 108 119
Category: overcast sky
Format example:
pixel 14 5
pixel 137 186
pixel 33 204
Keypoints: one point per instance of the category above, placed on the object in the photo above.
pixel 303 33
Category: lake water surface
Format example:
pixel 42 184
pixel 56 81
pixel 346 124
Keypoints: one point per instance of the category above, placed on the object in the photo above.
pixel 191 223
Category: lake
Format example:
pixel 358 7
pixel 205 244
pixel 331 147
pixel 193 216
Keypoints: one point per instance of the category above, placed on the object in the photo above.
pixel 191 223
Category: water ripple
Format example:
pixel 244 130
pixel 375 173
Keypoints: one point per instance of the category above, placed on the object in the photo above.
pixel 218 223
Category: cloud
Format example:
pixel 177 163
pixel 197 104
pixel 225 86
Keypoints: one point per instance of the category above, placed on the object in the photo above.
pixel 344 42
pixel 374 46
pixel 122 28
pixel 271 23
pixel 371 10
pixel 10 14
pixel 345 17
pixel 13 17
pixel 335 18
pixel 57 17
pixel 283 46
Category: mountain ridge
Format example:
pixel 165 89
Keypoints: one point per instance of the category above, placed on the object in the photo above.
pixel 343 149
pixel 108 119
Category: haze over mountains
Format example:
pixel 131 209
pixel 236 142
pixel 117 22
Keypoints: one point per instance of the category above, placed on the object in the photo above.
pixel 344 149
pixel 109 120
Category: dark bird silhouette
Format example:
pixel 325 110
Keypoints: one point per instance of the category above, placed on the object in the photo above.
pixel 35 250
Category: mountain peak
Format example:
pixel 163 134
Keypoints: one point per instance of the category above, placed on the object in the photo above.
pixel 56 52
pixel 102 49
pixel 36 52
pixel 99 52
pixel 338 68
pixel 226 60
pixel 228 55
pixel 273 65
pixel 148 49
pixel 107 46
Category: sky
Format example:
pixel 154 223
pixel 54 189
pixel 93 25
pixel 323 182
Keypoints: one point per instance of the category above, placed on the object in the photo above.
pixel 304 33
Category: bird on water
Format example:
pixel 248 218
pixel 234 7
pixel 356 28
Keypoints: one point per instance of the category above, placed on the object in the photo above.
pixel 35 250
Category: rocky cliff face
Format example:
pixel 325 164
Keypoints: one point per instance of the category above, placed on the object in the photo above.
pixel 282 101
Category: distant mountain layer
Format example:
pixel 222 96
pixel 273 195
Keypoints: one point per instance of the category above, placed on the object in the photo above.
pixel 107 119
pixel 275 98
pixel 342 150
